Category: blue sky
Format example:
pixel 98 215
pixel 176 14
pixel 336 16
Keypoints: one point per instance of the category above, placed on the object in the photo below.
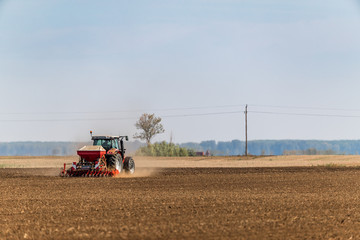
pixel 70 66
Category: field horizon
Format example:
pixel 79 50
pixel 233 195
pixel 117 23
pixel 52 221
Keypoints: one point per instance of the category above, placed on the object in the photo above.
pixel 194 162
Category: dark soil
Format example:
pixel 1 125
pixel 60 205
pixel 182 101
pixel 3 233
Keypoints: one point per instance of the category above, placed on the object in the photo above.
pixel 201 203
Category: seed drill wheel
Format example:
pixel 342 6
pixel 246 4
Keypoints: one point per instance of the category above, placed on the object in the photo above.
pixel 129 165
pixel 114 162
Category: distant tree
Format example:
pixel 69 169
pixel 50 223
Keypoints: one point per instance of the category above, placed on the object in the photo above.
pixel 183 152
pixel 149 126
pixel 191 153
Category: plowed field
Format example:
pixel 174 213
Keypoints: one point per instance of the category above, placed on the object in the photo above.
pixel 183 203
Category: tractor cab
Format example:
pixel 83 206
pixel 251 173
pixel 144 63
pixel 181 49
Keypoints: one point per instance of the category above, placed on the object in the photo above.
pixel 110 142
pixel 106 143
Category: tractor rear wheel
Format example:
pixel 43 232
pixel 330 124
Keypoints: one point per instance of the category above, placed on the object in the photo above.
pixel 129 165
pixel 114 162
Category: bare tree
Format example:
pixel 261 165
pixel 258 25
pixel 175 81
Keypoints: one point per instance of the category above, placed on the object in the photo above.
pixel 149 126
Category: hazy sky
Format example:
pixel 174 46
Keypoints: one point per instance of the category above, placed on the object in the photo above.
pixel 69 66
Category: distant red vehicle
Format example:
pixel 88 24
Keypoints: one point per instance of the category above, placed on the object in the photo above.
pixel 200 154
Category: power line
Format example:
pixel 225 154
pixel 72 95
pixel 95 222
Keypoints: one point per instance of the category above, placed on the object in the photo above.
pixel 125 111
pixel 183 115
pixel 202 114
pixel 307 114
pixel 118 118
pixel 306 108
pixel 180 109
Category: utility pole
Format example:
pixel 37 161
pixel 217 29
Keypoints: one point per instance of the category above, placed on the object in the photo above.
pixel 246 141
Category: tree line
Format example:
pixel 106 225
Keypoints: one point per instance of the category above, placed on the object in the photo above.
pixel 278 147
pixel 235 147
pixel 51 148
pixel 150 126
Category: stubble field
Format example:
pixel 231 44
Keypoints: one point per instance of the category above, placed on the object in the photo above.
pixel 217 198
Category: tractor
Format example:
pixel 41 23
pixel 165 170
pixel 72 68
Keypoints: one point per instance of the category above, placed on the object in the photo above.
pixel 105 158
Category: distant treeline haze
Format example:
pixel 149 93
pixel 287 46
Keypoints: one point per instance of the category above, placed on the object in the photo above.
pixel 235 147
pixel 51 148
pixel 278 147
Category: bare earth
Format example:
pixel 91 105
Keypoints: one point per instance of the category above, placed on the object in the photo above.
pixel 171 162
pixel 194 198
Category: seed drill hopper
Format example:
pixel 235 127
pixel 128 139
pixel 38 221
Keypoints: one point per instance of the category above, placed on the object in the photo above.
pixel 105 158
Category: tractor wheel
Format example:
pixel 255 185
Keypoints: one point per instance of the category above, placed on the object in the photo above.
pixel 129 165
pixel 114 162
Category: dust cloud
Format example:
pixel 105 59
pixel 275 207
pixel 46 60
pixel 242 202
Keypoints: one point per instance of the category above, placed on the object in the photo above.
pixel 139 173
